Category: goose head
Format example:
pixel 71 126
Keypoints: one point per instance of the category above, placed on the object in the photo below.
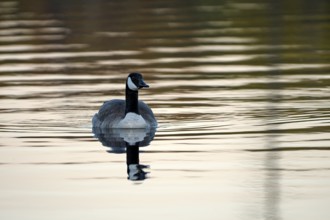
pixel 135 82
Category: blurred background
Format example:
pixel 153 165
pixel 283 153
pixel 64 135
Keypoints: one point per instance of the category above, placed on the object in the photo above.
pixel 240 89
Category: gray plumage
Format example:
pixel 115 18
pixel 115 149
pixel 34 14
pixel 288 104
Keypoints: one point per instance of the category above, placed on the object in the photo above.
pixel 113 111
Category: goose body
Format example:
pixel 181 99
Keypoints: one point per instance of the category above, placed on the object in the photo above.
pixel 128 113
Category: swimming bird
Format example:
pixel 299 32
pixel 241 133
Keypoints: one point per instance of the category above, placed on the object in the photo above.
pixel 129 113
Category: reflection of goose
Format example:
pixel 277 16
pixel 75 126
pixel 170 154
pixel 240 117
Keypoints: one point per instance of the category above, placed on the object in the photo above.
pixel 134 168
pixel 129 140
pixel 129 113
pixel 117 139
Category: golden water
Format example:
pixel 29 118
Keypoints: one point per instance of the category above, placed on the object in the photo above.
pixel 240 90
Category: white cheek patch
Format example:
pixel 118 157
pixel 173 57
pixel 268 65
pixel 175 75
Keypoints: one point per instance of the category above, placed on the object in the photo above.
pixel 131 85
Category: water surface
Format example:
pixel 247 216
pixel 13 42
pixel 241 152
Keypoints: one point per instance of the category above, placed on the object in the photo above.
pixel 240 90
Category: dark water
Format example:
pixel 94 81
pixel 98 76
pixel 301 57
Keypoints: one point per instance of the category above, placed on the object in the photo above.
pixel 240 90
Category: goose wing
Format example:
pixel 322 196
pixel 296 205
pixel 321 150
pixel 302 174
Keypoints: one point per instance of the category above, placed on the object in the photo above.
pixel 110 113
pixel 147 114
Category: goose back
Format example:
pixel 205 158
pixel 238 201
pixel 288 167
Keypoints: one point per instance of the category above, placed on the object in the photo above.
pixel 113 111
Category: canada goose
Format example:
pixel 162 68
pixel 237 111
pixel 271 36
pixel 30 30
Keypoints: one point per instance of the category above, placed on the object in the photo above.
pixel 129 113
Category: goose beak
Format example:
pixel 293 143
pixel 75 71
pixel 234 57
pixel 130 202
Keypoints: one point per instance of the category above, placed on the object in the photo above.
pixel 142 84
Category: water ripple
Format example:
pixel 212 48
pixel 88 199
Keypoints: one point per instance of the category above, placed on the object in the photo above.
pixel 240 92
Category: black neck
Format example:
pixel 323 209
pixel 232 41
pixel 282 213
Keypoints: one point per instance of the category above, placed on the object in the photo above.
pixel 132 101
